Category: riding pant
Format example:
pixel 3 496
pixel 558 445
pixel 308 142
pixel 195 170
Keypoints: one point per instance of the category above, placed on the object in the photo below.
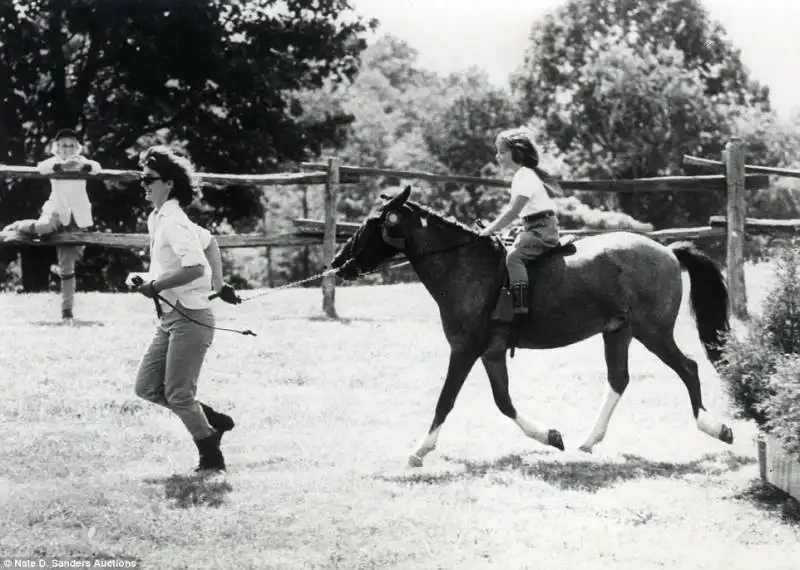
pixel 540 234
pixel 171 366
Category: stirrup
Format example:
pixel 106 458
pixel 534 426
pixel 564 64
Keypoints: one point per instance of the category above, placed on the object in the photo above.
pixel 513 332
pixel 520 296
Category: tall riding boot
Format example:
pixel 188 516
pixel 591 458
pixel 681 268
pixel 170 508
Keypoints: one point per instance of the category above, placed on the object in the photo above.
pixel 211 458
pixel 218 421
pixel 520 295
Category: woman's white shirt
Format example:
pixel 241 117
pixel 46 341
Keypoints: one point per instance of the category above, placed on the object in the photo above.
pixel 175 242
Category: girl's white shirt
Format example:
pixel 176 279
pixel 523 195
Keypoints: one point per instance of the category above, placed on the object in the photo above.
pixel 175 242
pixel 68 198
pixel 526 182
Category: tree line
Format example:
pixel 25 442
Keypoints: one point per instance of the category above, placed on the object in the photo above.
pixel 613 89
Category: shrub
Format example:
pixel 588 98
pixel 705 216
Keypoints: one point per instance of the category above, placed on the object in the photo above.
pixel 782 403
pixel 747 365
pixel 572 213
pixel 781 309
pixel 762 370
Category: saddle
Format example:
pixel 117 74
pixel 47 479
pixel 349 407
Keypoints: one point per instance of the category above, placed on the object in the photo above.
pixel 504 309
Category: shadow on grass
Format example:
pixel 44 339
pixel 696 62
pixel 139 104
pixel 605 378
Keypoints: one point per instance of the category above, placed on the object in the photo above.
pixel 772 500
pixel 348 320
pixel 99 559
pixel 186 491
pixel 74 323
pixel 588 476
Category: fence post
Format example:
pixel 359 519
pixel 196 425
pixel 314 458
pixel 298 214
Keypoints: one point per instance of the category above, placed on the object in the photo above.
pixel 737 210
pixel 329 237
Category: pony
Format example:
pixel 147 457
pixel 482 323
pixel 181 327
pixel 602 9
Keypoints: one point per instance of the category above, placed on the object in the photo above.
pixel 619 284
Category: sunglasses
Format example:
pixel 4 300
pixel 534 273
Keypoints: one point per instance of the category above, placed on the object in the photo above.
pixel 147 180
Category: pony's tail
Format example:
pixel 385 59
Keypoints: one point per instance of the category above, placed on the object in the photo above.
pixel 709 297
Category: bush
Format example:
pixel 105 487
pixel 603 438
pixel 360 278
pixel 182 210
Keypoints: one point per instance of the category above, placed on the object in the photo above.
pixel 762 370
pixel 782 403
pixel 572 213
pixel 747 365
pixel 781 309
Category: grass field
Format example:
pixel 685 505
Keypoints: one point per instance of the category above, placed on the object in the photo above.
pixel 327 413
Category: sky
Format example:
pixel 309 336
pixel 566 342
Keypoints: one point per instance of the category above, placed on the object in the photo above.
pixel 451 35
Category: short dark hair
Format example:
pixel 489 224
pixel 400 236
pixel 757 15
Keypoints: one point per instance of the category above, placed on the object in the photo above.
pixel 174 168
pixel 65 134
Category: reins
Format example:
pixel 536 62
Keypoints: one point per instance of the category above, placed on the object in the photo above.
pixel 448 249
pixel 247 332
pixel 160 313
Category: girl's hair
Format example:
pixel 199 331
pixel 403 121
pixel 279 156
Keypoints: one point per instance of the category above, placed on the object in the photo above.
pixel 520 142
pixel 174 168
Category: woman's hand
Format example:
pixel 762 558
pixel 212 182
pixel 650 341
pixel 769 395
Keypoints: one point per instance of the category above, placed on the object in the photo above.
pixel 149 289
pixel 228 294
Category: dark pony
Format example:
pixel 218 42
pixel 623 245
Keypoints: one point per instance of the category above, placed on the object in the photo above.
pixel 619 284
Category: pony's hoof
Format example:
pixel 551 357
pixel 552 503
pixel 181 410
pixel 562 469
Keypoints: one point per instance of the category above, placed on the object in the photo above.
pixel 554 439
pixel 585 448
pixel 414 460
pixel 726 434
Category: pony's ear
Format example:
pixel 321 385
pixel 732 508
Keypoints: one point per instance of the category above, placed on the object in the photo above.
pixel 401 197
pixel 397 199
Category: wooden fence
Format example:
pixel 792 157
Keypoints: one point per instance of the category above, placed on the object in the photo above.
pixel 736 224
pixel 331 231
pixel 328 177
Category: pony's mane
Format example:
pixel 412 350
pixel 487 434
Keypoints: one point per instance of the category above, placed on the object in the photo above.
pixel 446 220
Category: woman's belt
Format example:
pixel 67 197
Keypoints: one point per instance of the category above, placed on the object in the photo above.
pixel 538 216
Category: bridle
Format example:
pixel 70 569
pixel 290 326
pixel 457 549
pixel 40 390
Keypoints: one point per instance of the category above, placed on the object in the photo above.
pixel 389 223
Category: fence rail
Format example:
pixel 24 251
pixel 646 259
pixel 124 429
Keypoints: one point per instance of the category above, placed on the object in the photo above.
pixel 276 179
pixel 128 240
pixel 696 161
pixel 304 226
pixel 734 226
pixel 657 184
pixel 760 225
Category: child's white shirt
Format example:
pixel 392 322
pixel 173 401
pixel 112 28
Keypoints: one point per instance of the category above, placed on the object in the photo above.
pixel 68 198
pixel 527 183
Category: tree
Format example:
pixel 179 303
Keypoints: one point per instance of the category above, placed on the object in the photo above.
pixel 462 139
pixel 770 140
pixel 624 87
pixel 389 101
pixel 219 77
pixel 562 43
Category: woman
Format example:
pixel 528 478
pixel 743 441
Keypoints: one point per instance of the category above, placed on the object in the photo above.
pixel 184 262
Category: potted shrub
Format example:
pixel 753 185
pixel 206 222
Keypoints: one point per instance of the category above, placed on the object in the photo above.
pixel 762 374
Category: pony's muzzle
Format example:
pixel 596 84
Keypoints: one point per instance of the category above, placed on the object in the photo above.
pixel 348 271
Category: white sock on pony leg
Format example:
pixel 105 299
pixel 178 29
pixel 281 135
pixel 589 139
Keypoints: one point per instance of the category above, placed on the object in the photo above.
pixel 532 429
pixel 709 424
pixel 428 444
pixel 603 418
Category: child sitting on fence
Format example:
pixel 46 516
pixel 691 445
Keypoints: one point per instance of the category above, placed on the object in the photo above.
pixel 68 208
